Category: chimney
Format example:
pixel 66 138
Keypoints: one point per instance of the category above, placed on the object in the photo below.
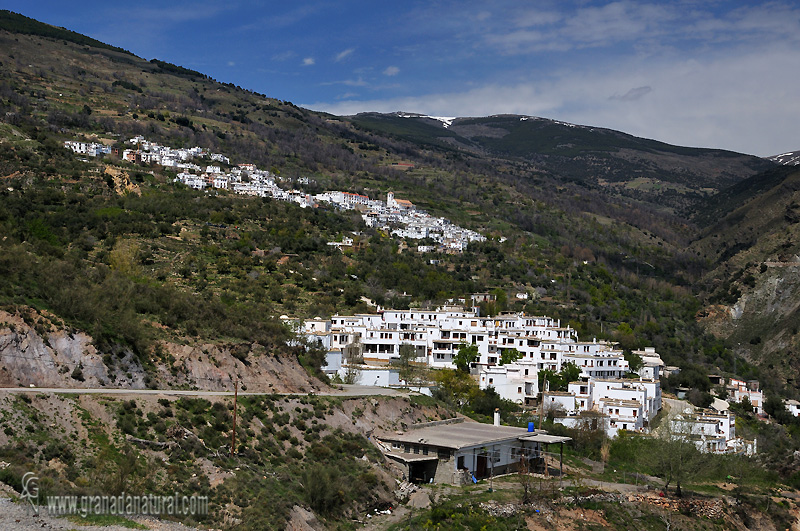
pixel 497 416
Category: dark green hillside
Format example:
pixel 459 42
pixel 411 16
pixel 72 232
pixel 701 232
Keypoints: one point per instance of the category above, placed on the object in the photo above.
pixel 601 160
pixel 712 210
pixel 423 131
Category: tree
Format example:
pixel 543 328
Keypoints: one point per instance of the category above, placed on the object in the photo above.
pixel 550 376
pixel 455 387
pixel 353 357
pixel 407 354
pixel 675 458
pixel 634 361
pixel 466 355
pixel 409 372
pixel 559 381
pixel 510 355
pixel 569 373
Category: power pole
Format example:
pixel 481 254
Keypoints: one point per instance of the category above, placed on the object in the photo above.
pixel 235 400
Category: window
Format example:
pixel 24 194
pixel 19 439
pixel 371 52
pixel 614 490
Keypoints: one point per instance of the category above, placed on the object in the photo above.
pixel 491 380
pixel 519 390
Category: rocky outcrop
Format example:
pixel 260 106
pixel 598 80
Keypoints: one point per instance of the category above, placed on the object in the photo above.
pixel 43 355
pixel 50 357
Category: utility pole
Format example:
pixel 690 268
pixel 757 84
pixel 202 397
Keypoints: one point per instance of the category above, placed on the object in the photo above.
pixel 235 400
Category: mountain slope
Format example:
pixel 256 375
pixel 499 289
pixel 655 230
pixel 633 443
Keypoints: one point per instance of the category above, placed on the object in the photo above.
pixel 753 242
pixel 634 167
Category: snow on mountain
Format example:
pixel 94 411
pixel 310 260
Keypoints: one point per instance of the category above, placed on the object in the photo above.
pixel 446 120
pixel 787 159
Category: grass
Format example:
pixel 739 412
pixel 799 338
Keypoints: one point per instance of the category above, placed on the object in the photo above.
pixel 104 520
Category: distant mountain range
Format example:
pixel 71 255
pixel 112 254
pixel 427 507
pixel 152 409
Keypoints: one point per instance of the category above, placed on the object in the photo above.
pixel 589 156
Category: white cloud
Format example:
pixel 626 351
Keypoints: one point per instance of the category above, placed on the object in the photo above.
pixel 633 94
pixel 391 71
pixel 348 82
pixel 721 102
pixel 284 56
pixel 343 54
pixel 308 61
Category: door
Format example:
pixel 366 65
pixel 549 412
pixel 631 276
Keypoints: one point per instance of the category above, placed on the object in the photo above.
pixel 480 469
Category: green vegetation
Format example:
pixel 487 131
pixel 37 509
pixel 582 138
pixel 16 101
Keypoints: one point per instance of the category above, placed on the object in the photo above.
pixel 105 520
pixel 287 454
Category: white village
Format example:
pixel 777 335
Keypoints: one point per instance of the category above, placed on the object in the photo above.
pixel 398 217
pixel 606 395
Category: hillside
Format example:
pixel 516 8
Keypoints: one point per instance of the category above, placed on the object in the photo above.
pixel 791 158
pixel 753 240
pixel 593 157
pixel 178 247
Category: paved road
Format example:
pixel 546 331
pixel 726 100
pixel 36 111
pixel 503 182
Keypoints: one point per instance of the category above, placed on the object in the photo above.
pixel 342 390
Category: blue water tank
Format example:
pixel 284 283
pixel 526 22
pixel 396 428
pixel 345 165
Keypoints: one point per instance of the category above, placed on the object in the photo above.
pixel 530 426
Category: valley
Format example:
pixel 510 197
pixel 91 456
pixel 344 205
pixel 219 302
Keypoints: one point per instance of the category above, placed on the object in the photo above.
pixel 121 272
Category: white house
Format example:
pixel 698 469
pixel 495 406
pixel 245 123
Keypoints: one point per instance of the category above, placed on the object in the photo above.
pixel 461 452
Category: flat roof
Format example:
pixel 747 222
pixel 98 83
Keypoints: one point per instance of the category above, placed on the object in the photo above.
pixel 412 458
pixel 545 438
pixel 461 435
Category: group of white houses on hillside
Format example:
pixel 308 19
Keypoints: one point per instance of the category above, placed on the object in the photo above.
pixel 372 342
pixel 605 394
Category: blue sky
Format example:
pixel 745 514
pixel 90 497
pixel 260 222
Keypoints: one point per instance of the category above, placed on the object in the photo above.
pixel 707 73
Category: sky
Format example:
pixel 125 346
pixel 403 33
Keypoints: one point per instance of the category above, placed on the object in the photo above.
pixel 710 73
